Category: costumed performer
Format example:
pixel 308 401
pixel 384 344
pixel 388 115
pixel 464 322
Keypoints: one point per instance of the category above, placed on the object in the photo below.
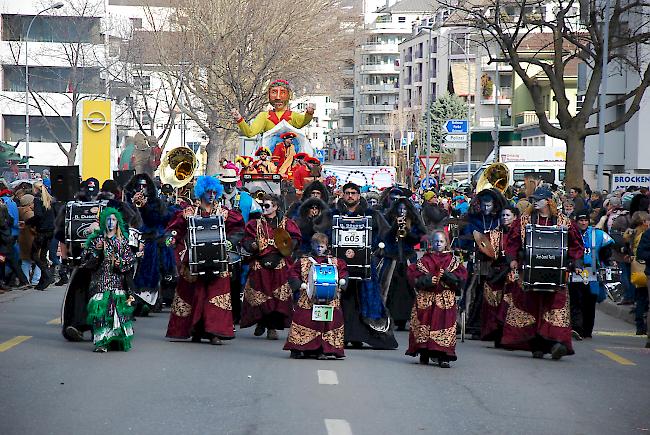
pixel 267 295
pixel 308 337
pixel 362 303
pixel 279 93
pixel 110 310
pixel 539 321
pixel 285 151
pixel 202 306
pixel 264 165
pixel 438 277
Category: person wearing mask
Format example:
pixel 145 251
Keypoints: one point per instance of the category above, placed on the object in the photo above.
pixel 584 288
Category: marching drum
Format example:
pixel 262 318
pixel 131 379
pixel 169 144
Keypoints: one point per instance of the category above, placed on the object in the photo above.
pixel 81 219
pixel 135 237
pixel 352 239
pixel 323 282
pixel 206 244
pixel 546 257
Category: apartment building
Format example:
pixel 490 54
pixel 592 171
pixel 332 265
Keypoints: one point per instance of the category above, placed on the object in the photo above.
pixel 370 91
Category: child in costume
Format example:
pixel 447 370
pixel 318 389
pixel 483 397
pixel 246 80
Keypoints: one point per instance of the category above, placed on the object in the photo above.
pixel 110 310
pixel 437 277
pixel 307 337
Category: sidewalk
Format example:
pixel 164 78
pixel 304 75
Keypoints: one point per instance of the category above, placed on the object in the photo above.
pixel 621 312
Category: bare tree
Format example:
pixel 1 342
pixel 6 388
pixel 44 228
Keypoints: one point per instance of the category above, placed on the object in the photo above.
pixel 566 32
pixel 225 52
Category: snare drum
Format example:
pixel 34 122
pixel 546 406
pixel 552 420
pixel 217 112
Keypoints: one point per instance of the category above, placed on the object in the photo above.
pixel 206 244
pixel 135 237
pixel 323 282
pixel 352 241
pixel 81 219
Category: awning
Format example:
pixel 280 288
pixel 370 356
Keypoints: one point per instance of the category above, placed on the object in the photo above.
pixel 459 78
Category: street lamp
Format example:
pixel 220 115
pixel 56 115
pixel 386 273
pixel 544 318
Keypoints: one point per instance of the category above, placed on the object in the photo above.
pixel 469 105
pixel 58 5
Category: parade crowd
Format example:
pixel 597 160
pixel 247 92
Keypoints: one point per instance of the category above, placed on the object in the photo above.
pixel 430 255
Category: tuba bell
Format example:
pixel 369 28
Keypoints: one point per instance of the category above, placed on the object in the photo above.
pixel 495 176
pixel 177 167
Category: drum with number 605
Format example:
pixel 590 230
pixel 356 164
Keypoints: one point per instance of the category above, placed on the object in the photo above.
pixel 352 241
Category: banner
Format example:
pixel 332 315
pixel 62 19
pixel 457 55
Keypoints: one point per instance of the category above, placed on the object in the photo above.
pixel 95 139
pixel 375 176
pixel 623 181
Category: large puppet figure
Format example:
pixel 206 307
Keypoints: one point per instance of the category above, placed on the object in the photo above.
pixel 279 95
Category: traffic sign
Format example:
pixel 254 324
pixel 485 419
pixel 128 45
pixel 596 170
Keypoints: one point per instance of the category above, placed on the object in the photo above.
pixel 457 126
pixel 455 145
pixel 456 138
pixel 369 146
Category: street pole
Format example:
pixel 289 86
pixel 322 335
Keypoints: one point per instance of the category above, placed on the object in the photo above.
pixel 602 96
pixel 469 109
pixel 429 111
pixel 54 6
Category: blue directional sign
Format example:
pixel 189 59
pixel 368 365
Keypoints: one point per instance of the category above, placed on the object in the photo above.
pixel 369 146
pixel 456 126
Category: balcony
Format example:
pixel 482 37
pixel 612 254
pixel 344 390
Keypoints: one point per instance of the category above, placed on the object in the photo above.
pixel 374 128
pixel 382 68
pixel 504 97
pixel 376 108
pixel 345 130
pixel 379 48
pixel 345 111
pixel 389 28
pixel 378 89
pixel 346 93
pixel 527 118
pixel 348 72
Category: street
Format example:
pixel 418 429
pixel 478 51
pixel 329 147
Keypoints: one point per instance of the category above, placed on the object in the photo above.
pixel 250 386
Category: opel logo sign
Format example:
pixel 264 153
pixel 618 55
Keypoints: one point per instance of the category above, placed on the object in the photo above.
pixel 96 121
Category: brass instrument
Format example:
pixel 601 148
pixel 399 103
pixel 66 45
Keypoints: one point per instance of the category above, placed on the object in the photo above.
pixel 259 195
pixel 139 200
pixel 401 225
pixel 495 176
pixel 177 167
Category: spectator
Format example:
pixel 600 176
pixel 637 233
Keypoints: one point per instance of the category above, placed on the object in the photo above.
pixel 570 209
pixel 641 249
pixel 43 222
pixel 595 201
pixel 26 238
pixel 575 194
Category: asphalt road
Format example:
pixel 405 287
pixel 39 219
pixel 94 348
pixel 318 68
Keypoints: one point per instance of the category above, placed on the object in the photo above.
pixel 250 386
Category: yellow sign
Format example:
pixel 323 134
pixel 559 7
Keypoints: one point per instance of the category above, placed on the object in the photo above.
pixel 96 140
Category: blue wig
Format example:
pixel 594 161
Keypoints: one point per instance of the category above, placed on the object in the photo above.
pixel 205 183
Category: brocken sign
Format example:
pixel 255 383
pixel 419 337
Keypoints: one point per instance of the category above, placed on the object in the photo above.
pixel 622 181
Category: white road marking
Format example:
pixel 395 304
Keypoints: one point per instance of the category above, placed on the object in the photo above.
pixel 327 377
pixel 337 427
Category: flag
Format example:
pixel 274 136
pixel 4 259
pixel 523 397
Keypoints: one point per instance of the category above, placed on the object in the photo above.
pixel 416 167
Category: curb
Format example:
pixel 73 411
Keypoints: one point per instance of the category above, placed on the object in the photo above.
pixel 621 312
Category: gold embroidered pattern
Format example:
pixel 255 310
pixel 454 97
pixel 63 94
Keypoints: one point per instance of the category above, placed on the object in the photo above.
pixel 305 267
pixel 444 337
pixel 445 299
pixel 519 318
pixel 304 301
pixel 255 297
pixel 301 335
pixel 334 337
pixel 283 292
pixel 495 240
pixel 222 301
pixel 423 300
pixel 419 331
pixel 559 317
pixel 492 297
pixel 181 308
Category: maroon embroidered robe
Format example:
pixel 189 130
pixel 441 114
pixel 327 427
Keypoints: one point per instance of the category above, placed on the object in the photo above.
pixel 536 320
pixel 433 317
pixel 307 334
pixel 267 295
pixel 202 305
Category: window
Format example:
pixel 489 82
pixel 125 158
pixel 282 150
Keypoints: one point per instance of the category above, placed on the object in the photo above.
pixel 145 118
pixel 142 82
pixel 401 19
pixel 41 128
pixel 562 174
pixel 328 99
pixel 136 23
pixel 434 45
pixel 434 69
pixel 518 174
pixel 194 146
pixel 51 79
pixel 52 29
pixel 458 43
pixel 580 100
pixel 315 135
pixel 620 112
